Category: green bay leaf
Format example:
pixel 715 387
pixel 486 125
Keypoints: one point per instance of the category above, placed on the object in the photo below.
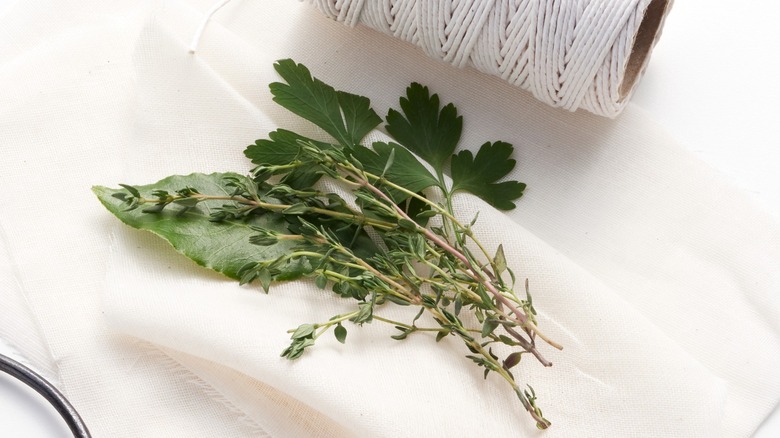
pixel 221 246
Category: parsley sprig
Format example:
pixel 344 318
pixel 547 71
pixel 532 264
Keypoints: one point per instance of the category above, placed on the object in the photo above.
pixel 389 243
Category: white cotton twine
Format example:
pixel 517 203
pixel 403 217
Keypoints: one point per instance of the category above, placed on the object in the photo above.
pixel 202 28
pixel 571 54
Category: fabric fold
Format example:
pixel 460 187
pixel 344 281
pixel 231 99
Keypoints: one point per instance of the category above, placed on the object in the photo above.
pixel 67 91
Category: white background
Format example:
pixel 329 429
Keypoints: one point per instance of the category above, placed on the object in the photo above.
pixel 713 82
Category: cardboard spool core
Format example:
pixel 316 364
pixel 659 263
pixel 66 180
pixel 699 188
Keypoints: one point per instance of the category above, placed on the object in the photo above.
pixel 645 38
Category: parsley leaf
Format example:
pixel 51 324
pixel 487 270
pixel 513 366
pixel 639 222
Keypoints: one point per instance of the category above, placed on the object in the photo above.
pixel 478 175
pixel 433 133
pixel 405 170
pixel 281 148
pixel 347 117
pixel 423 128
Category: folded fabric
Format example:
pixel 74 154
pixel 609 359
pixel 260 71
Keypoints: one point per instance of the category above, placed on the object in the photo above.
pixel 658 278
pixel 67 90
pixel 622 188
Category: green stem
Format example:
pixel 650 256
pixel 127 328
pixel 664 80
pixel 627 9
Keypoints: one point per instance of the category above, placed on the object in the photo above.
pixel 541 422
pixel 525 343
pixel 293 165
pixel 355 172
pixel 520 317
pixel 353 217
pixel 400 291
pixel 341 318
pixel 467 232
pixel 358 218
pixel 419 329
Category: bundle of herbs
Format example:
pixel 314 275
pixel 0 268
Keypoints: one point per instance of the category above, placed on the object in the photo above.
pixel 395 240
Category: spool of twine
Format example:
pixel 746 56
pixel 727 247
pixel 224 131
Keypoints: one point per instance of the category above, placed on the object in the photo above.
pixel 570 54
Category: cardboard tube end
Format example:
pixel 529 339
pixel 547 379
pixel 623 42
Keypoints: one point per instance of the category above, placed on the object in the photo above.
pixel 646 36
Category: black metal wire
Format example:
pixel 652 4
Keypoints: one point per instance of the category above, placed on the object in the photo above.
pixel 48 391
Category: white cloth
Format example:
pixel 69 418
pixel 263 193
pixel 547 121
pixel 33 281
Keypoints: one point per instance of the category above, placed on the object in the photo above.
pixel 659 279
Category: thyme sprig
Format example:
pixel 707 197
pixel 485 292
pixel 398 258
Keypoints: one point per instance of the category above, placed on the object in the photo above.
pixel 389 242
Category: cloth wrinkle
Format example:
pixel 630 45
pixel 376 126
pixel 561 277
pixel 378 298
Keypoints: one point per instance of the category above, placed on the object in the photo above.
pixel 41 354
pixel 146 350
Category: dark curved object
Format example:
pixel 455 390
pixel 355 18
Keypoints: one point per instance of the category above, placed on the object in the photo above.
pixel 49 392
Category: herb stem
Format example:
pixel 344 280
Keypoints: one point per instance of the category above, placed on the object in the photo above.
pixel 528 345
pixel 541 422
pixel 354 216
pixel 354 172
pixel 419 329
pixel 341 318
pixel 520 317
pixel 402 292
